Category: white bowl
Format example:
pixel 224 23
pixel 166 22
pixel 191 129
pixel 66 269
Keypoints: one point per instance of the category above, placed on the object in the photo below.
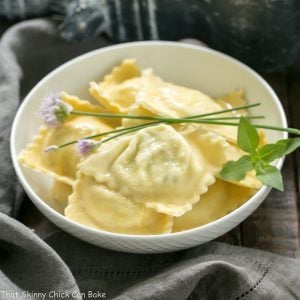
pixel 191 66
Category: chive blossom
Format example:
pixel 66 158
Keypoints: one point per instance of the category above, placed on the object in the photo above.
pixel 53 110
pixel 85 146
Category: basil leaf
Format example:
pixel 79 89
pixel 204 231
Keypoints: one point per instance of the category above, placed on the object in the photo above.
pixel 284 147
pixel 236 170
pixel 270 152
pixel 270 176
pixel 290 145
pixel 248 138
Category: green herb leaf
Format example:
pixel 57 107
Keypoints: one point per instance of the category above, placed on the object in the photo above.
pixel 270 152
pixel 236 170
pixel 291 145
pixel 248 138
pixel 270 176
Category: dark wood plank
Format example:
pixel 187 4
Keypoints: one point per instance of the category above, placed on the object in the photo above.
pixel 274 226
pixel 294 96
pixel 233 237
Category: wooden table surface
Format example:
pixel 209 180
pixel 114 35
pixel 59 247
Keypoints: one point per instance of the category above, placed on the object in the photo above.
pixel 274 226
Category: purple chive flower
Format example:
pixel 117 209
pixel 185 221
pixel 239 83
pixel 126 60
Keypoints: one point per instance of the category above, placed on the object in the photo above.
pixel 84 146
pixel 53 110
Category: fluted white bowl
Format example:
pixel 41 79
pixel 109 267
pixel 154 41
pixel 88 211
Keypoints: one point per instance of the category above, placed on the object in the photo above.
pixel 192 66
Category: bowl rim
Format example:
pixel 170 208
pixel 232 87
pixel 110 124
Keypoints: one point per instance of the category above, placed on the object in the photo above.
pixel 261 193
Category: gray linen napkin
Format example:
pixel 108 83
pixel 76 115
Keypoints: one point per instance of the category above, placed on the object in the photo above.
pixel 62 267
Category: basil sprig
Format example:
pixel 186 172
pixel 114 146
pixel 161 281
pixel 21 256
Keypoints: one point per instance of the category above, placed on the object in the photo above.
pixel 258 158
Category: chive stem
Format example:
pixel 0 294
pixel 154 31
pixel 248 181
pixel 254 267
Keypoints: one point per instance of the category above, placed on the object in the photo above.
pixel 108 132
pixel 227 110
pixel 233 118
pixel 210 122
pixel 118 116
pixel 198 119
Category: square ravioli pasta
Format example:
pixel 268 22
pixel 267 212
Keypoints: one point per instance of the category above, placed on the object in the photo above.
pixel 94 205
pixel 158 168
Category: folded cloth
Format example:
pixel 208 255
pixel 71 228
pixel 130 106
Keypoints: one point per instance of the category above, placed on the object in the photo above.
pixel 62 267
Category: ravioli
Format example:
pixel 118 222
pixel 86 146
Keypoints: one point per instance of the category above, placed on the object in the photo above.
pixel 94 205
pixel 165 99
pixel 157 167
pixel 156 180
pixel 86 106
pixel 221 198
pixel 62 164
pixel 117 92
pixel 137 110
pixel 232 100
pixel 60 193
